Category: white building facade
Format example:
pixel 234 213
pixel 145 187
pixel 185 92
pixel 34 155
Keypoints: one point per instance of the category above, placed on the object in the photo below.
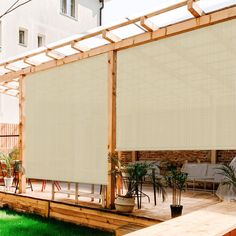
pixel 38 23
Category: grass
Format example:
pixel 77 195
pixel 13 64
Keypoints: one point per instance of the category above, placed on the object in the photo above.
pixel 18 224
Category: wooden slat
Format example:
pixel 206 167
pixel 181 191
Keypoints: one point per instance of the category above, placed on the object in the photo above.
pixel 25 204
pixel 111 37
pixel 188 25
pixel 79 47
pixel 54 54
pixel 194 9
pixel 31 62
pixel 129 228
pixel 218 219
pixel 100 215
pixel 147 24
pixel 11 67
pixel 45 49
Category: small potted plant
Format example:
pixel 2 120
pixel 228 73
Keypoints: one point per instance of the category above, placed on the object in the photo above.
pixel 177 181
pixel 7 162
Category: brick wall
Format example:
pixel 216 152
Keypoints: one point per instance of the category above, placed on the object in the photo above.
pixel 180 156
pixel 226 156
pixel 176 156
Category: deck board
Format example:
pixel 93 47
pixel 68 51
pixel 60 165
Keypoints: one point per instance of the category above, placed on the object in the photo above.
pixel 215 220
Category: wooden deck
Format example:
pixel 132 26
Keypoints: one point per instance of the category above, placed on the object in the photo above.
pixel 215 220
pixel 91 213
pixel 192 200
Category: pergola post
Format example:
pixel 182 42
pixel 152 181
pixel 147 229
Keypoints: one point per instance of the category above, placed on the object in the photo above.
pixel 112 72
pixel 22 179
pixel 134 155
pixel 213 156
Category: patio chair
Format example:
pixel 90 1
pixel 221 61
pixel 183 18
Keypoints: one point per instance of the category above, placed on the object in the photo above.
pixel 196 172
pixel 213 176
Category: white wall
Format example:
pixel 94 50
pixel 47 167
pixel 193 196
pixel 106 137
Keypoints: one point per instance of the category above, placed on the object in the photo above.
pixel 44 17
pixel 9 109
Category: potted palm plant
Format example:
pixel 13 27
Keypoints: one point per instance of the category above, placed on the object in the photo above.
pixel 177 181
pixel 133 174
pixel 229 174
pixel 7 162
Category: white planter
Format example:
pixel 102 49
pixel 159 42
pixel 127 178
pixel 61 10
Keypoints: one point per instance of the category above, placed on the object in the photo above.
pixel 125 204
pixel 8 182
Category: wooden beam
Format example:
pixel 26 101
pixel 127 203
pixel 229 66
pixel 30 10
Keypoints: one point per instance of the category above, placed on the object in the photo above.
pixel 54 54
pixel 194 9
pixel 109 36
pixel 112 74
pixel 11 68
pixel 14 75
pixel 22 179
pixel 168 31
pixel 148 25
pixel 79 47
pixel 44 49
pixel 31 62
pixel 10 86
pixel 7 93
pixel 213 156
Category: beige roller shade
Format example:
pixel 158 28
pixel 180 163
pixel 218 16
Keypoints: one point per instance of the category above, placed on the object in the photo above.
pixel 179 93
pixel 66 122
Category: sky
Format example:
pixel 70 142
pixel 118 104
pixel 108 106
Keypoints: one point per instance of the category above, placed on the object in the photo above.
pixel 115 10
pixel 118 9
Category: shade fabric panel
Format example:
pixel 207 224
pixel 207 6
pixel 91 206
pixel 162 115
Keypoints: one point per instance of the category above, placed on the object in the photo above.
pixel 66 122
pixel 179 93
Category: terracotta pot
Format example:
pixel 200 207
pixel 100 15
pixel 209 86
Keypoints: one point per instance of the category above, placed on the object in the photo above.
pixel 125 204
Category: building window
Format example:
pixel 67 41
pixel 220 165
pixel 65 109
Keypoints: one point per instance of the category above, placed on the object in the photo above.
pixel 23 37
pixel 41 40
pixel 68 7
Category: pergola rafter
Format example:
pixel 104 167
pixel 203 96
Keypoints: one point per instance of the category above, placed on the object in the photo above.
pixel 147 24
pixel 111 41
pixel 14 75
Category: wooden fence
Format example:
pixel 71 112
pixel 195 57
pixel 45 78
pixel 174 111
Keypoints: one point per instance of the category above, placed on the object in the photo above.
pixel 9 135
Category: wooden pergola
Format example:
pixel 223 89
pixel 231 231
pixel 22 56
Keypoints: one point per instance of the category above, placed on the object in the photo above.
pixel 14 71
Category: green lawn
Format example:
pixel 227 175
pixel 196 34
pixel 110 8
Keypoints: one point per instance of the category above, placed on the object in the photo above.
pixel 15 224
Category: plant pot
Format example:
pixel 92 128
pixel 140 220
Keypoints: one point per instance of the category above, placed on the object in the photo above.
pixel 125 204
pixel 8 182
pixel 176 210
